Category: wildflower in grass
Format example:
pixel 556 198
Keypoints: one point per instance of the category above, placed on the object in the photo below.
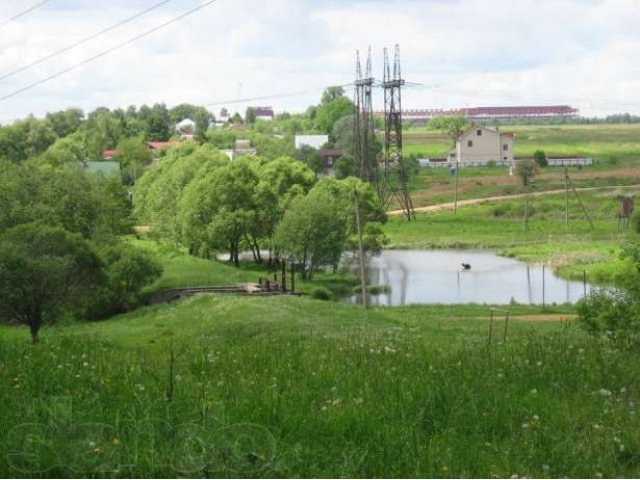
pixel 623 390
pixel 358 401
pixel 115 441
pixel 538 363
pixel 85 364
pixel 525 425
pixel 604 392
pixel 535 418
pixel 598 475
pixel 546 467
pixel 533 391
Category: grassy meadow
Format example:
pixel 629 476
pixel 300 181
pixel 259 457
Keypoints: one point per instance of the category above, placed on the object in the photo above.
pixel 293 387
pixel 608 145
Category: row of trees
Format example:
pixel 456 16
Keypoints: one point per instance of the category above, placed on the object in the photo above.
pixel 196 197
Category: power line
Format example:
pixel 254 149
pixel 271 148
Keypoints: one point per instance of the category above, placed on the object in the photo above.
pixel 106 52
pixel 80 42
pixel 24 12
pixel 269 97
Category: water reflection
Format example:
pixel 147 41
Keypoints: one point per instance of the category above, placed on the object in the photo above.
pixel 436 276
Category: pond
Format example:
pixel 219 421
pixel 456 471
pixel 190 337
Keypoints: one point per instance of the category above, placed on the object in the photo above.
pixel 437 276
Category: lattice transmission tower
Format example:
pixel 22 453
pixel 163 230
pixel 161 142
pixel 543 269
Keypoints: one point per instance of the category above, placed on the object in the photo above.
pixel 365 155
pixel 394 172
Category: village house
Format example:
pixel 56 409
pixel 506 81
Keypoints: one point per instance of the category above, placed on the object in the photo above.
pixel 185 129
pixel 263 113
pixel 479 145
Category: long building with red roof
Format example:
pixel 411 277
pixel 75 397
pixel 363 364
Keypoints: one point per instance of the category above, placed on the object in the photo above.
pixel 493 113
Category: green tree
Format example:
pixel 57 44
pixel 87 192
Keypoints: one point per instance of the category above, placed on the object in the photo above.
pixel 250 116
pixel 328 114
pixel 66 122
pixel 312 232
pixel 44 271
pixel 527 169
pixel 158 124
pixel 128 270
pixel 453 126
pixel 158 192
pixel 540 158
pixel 133 155
pixel 331 93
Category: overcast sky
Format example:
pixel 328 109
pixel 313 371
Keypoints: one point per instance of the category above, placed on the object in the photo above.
pixel 585 53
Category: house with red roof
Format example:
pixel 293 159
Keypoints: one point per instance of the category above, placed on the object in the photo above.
pixel 478 145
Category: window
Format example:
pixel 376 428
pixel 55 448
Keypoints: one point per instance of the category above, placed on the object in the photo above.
pixel 470 143
pixel 479 133
pixel 505 147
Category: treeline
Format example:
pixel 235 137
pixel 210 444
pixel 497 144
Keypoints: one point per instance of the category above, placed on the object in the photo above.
pixel 197 198
pixel 102 129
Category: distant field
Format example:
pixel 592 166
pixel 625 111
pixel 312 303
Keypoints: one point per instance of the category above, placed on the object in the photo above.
pixel 613 144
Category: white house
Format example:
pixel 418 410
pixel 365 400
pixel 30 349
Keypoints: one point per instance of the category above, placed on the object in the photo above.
pixel 186 128
pixel 314 141
pixel 478 145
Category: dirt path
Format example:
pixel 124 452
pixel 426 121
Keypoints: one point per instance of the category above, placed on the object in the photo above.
pixel 475 201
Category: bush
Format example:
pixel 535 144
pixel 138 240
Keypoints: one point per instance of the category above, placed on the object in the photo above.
pixel 610 312
pixel 321 293
pixel 540 158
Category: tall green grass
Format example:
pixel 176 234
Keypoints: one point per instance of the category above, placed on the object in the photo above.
pixel 286 387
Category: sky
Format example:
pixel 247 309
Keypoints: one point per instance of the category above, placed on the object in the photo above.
pixel 231 53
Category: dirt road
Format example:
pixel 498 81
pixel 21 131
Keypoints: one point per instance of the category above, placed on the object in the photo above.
pixel 475 201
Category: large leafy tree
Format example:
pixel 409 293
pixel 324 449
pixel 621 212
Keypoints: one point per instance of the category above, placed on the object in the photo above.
pixel 329 113
pixel 312 232
pixel 219 210
pixel 66 122
pixel 453 126
pixel 44 271
pixel 159 191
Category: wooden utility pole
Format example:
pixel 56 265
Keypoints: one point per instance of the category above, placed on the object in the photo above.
pixel 363 284
pixel 566 198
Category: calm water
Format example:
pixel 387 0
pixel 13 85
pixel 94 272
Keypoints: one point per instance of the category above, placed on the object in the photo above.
pixel 436 276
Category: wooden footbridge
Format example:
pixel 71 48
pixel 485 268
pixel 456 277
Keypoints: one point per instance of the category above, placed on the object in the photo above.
pixel 263 288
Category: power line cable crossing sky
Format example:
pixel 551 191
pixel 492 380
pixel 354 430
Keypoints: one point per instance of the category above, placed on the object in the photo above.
pixel 23 12
pixel 464 53
pixel 108 51
pixel 83 41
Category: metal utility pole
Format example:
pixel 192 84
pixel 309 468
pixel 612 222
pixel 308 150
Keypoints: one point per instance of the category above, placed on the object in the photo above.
pixel 392 86
pixel 364 157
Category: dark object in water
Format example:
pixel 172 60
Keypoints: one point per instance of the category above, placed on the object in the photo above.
pixel 466 266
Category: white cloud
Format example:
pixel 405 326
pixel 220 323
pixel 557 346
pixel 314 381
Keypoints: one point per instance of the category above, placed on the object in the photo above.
pixel 478 52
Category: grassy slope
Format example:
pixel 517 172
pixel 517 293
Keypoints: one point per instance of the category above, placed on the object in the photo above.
pixel 286 387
